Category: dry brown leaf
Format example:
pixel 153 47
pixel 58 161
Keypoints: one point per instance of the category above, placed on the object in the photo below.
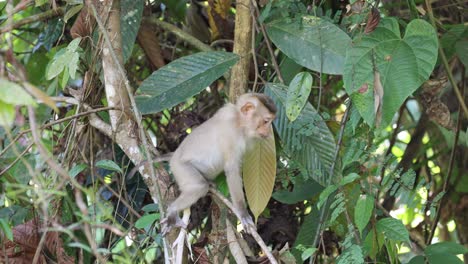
pixel 372 20
pixel 218 19
pixel 437 111
pixel 26 240
pixel 149 42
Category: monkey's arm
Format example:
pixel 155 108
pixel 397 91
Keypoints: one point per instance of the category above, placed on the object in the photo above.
pixel 234 180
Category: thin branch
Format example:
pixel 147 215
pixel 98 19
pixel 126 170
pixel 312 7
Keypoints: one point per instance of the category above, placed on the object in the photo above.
pixel 34 18
pixel 451 162
pixel 318 234
pixel 17 159
pixel 268 43
pixel 179 33
pixel 459 95
pixel 252 232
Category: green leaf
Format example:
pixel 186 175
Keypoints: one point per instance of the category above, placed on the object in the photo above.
pixel 108 165
pixel 351 255
pixel 73 64
pixel 308 140
pixel 312 42
pixel 363 212
pixel 403 65
pixel 150 207
pixel 71 12
pixel 177 8
pixel 81 246
pixel 73 46
pixel 418 260
pixel 58 64
pixel 298 93
pixel 443 258
pixel 182 79
pixel 146 220
pixel 6 229
pixel 303 190
pixel 307 231
pixel 450 38
pixel 325 194
pixel 446 247
pixel 7 114
pixel 462 51
pixel 308 252
pixel 373 244
pixel 349 178
pixel 77 169
pixel 393 229
pixel 14 94
pixel 130 19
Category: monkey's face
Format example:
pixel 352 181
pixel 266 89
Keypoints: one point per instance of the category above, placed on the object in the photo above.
pixel 258 121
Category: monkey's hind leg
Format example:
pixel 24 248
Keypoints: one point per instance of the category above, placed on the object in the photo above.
pixel 192 185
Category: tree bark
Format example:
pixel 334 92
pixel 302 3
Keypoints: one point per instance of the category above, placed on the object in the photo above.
pixel 242 47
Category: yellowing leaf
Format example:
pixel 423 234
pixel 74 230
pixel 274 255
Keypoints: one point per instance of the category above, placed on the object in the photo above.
pixel 259 172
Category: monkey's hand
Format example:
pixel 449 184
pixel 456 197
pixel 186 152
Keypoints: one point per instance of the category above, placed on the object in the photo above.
pixel 169 222
pixel 247 223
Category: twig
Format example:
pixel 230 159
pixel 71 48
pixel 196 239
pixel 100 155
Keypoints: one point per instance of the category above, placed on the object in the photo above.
pixel 55 166
pixel 179 33
pixel 31 19
pixel 268 43
pixel 318 234
pixel 450 168
pixel 252 232
pixel 17 159
pixel 58 121
pixel 459 95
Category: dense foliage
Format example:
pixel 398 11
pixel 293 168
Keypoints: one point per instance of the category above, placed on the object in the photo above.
pixel 368 162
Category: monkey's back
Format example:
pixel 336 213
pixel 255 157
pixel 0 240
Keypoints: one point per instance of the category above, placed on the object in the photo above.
pixel 210 137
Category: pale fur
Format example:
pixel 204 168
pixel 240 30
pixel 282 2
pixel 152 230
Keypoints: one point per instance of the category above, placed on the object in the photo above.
pixel 215 146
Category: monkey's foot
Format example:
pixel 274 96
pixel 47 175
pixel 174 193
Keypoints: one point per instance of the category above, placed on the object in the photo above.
pixel 167 224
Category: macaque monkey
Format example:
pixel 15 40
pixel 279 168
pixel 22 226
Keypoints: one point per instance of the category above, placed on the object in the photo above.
pixel 219 145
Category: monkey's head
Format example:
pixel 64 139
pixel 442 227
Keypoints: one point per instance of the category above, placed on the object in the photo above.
pixel 257 113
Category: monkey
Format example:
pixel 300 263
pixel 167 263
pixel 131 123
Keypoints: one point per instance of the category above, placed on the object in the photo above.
pixel 219 145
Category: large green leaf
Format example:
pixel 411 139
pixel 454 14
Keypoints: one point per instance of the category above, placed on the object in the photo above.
pixel 446 247
pixel 132 11
pixel 307 140
pixel 393 229
pixel 298 93
pixel 363 212
pixel 403 65
pixel 182 79
pixel 311 42
pixel 303 190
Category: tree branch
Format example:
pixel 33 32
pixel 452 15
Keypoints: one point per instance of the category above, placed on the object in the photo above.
pixel 31 19
pixel 252 232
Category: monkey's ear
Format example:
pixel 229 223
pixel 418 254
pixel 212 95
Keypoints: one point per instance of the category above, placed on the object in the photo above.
pixel 247 107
